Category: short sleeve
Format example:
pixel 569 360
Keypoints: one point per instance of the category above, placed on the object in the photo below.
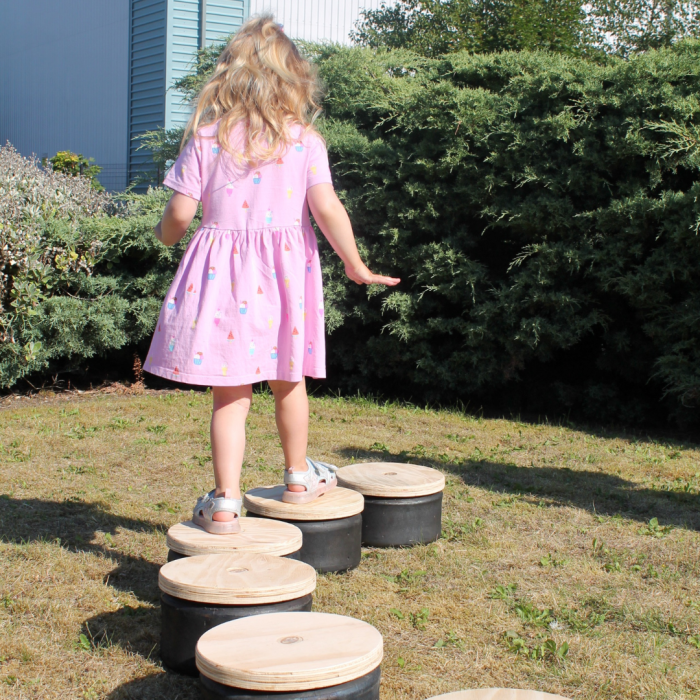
pixel 186 174
pixel 318 170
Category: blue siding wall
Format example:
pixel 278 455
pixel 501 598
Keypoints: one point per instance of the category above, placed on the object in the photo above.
pixel 183 41
pixel 224 17
pixel 146 78
pixel 192 23
pixel 64 80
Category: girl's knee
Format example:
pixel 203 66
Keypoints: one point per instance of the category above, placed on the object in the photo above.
pixel 281 388
pixel 228 395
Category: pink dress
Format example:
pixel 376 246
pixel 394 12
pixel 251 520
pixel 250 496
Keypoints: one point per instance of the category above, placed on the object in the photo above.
pixel 246 304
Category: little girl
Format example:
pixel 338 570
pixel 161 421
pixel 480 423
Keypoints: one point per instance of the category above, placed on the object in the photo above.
pixel 246 304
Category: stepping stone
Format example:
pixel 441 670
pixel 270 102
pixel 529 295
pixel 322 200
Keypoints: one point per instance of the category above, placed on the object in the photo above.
pixel 256 537
pixel 498 694
pixel 291 655
pixel 331 524
pixel 202 592
pixel 403 502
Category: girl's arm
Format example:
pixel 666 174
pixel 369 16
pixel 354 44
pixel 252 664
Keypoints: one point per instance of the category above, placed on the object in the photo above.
pixel 333 220
pixel 177 218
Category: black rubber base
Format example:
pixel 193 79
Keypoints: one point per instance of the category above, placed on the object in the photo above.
pixel 363 688
pixel 329 545
pixel 400 522
pixel 173 555
pixel 183 622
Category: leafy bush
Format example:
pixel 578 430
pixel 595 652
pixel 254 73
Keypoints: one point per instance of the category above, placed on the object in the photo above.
pixel 543 212
pixel 82 275
pixel 76 164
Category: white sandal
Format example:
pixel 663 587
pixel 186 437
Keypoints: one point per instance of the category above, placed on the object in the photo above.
pixel 317 479
pixel 210 504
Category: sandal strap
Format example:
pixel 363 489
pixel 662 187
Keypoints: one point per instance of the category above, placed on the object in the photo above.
pixel 316 472
pixel 219 504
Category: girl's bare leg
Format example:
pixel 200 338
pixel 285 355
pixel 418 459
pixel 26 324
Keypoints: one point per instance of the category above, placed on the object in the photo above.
pixel 292 417
pixel 231 404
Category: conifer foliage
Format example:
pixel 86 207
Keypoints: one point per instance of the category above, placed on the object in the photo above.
pixel 544 214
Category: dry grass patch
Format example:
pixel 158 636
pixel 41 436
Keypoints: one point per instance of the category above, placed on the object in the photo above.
pixel 569 561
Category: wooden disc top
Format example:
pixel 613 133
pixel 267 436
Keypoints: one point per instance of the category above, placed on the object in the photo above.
pixel 237 579
pixel 333 505
pixel 391 479
pixel 257 536
pixel 498 694
pixel 289 651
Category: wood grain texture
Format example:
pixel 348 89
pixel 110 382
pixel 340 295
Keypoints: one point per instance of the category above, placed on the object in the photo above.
pixel 498 694
pixel 237 579
pixel 337 503
pixel 257 536
pixel 289 651
pixel 391 479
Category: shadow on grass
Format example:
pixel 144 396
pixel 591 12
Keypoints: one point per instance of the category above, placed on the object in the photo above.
pixel 160 686
pixel 597 492
pixel 74 524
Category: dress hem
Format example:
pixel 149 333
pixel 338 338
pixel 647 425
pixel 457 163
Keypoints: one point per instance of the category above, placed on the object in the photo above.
pixel 242 380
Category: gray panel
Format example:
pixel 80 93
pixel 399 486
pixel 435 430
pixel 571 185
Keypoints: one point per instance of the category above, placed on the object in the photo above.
pixel 64 78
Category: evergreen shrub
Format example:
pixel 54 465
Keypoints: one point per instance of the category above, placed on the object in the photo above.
pixel 82 275
pixel 543 212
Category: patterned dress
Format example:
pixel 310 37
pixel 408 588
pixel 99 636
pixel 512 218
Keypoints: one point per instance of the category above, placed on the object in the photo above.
pixel 246 304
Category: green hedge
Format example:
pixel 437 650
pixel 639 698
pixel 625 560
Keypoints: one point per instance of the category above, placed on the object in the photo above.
pixel 543 214
pixel 542 211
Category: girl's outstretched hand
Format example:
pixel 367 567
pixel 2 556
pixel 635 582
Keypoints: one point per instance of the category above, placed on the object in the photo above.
pixel 361 274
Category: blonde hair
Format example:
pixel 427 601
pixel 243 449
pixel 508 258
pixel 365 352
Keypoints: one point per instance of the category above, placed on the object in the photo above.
pixel 262 80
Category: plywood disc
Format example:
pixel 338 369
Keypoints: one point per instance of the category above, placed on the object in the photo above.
pixel 237 579
pixel 337 503
pixel 391 479
pixel 289 651
pixel 498 694
pixel 257 536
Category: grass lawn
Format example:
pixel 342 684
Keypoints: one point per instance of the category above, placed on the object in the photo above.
pixel 569 562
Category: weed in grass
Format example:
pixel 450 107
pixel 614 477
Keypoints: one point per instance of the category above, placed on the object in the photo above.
pixel 119 423
pixel 420 619
pixel 378 447
pixel 83 643
pixel 402 664
pixel 549 560
pixel 540 650
pixel 452 531
pixel 406 578
pixel 506 502
pixel 531 615
pixel 503 592
pixel 79 469
pixel 460 438
pixel 164 506
pixel 81 431
pixel 694 640
pixel 653 529
pixel 450 639
pixel 157 429
pixel 397 613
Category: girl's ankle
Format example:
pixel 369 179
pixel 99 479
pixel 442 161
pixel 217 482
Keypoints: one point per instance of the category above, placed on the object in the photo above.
pixel 297 469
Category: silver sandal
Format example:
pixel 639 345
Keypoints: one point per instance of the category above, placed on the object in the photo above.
pixel 210 504
pixel 317 479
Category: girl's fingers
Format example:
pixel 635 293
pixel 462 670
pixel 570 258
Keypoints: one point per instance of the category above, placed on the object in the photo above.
pixel 387 281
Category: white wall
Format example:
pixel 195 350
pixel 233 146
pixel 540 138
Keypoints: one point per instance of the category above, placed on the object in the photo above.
pixel 316 20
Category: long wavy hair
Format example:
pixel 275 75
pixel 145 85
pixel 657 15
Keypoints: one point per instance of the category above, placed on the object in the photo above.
pixel 262 80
